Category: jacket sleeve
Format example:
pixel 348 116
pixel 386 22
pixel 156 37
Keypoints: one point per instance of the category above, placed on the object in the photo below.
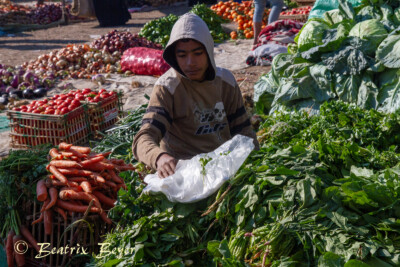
pixel 156 122
pixel 238 119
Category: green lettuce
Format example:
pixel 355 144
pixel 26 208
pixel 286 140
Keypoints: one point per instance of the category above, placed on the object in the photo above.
pixel 311 34
pixel 371 30
pixel 388 51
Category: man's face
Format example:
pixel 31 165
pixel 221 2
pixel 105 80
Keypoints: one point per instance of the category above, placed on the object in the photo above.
pixel 192 58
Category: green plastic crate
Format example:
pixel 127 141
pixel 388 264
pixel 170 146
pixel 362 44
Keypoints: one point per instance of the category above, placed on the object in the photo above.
pixel 4 126
pixel 3 256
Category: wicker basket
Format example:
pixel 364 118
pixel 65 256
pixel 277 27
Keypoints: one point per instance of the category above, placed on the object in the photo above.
pixel 305 2
pixel 104 114
pixel 63 234
pixel 31 129
pixel 298 17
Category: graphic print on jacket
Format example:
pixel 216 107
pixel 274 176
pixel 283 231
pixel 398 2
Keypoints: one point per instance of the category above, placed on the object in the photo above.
pixel 211 120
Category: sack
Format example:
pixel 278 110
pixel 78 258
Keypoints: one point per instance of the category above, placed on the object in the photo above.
pixel 83 8
pixel 204 174
pixel 144 61
pixel 321 6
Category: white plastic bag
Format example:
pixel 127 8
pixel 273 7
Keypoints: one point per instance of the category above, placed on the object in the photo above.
pixel 193 181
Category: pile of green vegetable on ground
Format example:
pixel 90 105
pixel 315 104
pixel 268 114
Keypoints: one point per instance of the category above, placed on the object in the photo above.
pixel 323 190
pixel 352 54
pixel 158 30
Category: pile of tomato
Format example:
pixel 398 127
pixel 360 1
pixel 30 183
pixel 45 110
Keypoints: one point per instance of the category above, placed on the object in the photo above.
pixel 297 11
pixel 61 104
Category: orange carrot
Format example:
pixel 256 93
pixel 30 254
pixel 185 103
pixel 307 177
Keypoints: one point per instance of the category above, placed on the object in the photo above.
pixel 61 212
pixel 65 205
pixel 100 166
pixel 103 215
pixel 29 237
pixel 64 146
pixel 111 184
pixel 71 194
pixel 81 149
pixel 51 183
pixel 66 154
pixel 86 186
pixel 105 199
pixel 53 197
pixel 65 164
pixel 40 219
pixel 48 222
pixel 45 203
pixel 41 190
pixel 58 175
pixel 10 248
pixel 75 172
pixel 98 178
pixel 74 158
pixel 125 168
pixel 77 179
pixel 19 258
pixel 117 161
pixel 90 161
pixel 54 154
pixel 115 177
pixel 76 153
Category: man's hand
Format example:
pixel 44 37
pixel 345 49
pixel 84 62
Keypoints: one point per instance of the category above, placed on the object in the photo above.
pixel 166 165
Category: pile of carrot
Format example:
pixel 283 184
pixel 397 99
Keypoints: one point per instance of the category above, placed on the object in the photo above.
pixel 77 177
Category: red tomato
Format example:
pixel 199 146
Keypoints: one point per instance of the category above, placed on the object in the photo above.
pixel 86 91
pixel 102 91
pixel 76 102
pixel 57 112
pixel 104 95
pixel 36 111
pixel 64 110
pixel 49 111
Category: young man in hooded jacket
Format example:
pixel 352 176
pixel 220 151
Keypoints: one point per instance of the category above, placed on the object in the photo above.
pixel 194 107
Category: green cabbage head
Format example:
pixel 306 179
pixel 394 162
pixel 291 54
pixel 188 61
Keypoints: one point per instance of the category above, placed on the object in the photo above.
pixel 371 30
pixel 311 35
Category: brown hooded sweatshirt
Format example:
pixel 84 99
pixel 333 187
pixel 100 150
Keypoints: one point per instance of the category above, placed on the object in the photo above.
pixel 185 117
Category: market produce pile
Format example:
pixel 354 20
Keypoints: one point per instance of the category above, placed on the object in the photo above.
pixel 242 14
pixel 351 54
pixel 11 13
pixel 322 190
pixel 158 30
pixel 78 181
pixel 103 55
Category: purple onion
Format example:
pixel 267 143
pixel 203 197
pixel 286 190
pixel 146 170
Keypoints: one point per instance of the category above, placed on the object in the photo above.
pixel 36 81
pixel 15 81
pixel 23 86
pixel 28 77
pixel 48 82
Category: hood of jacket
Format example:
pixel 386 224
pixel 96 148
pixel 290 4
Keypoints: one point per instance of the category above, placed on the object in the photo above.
pixel 190 26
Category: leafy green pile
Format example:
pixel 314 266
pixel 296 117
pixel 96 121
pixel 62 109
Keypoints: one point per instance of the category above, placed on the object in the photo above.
pixel 158 30
pixel 19 173
pixel 352 55
pixel 322 191
pixel 118 140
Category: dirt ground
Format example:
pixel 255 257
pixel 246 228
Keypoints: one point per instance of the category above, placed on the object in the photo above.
pixel 25 46
pixel 17 48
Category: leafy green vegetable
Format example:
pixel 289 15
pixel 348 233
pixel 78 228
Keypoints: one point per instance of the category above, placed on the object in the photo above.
pixel 388 52
pixel 311 34
pixel 322 190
